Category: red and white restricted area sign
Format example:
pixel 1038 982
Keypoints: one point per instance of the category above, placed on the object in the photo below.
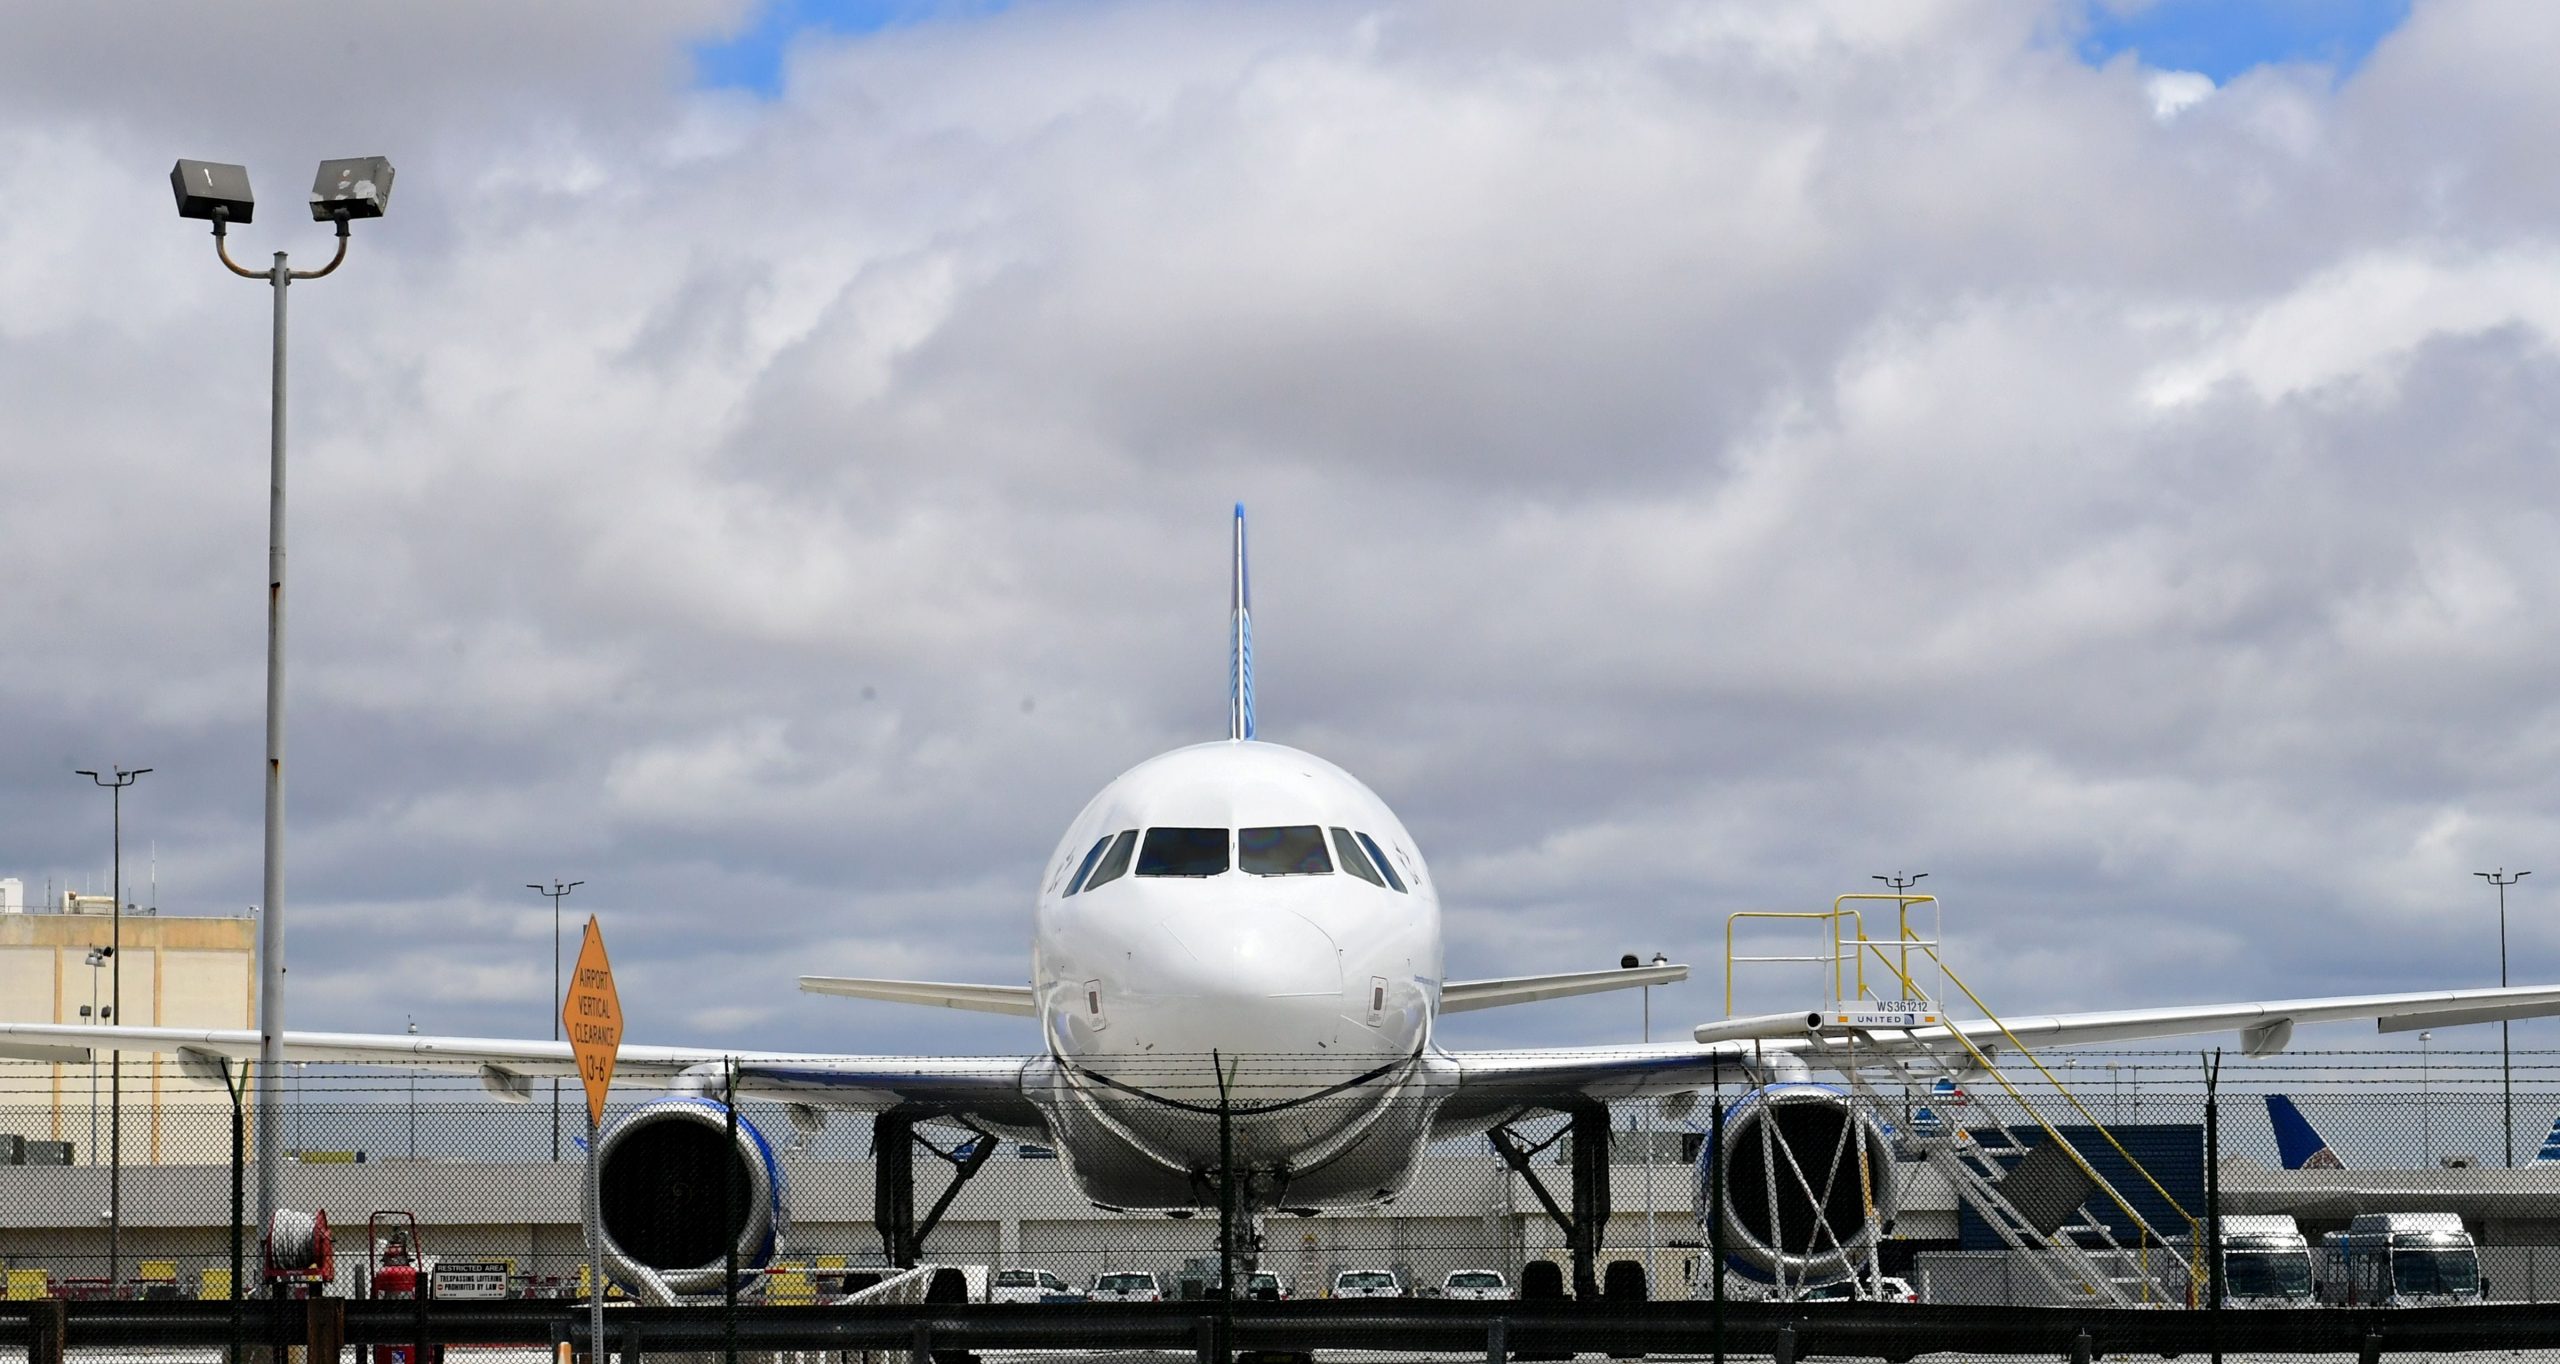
pixel 592 1017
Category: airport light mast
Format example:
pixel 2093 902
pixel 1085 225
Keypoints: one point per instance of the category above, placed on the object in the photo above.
pixel 214 192
pixel 2506 1050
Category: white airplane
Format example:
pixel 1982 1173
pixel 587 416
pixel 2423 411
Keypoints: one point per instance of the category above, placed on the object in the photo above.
pixel 1242 927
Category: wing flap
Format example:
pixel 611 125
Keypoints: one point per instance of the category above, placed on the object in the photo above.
pixel 1461 996
pixel 986 999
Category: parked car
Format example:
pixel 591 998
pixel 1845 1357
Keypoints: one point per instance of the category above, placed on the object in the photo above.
pixel 1888 1289
pixel 1481 1284
pixel 1029 1285
pixel 1263 1284
pixel 1128 1286
pixel 1367 1283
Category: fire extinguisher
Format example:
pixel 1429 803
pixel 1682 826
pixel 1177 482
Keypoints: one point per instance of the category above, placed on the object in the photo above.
pixel 398 1274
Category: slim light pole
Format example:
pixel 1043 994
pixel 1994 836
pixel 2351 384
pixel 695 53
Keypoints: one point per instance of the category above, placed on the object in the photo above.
pixel 115 1001
pixel 1652 1130
pixel 558 891
pixel 2506 1052
pixel 1902 955
pixel 98 957
pixel 214 192
pixel 413 1096
pixel 2427 1094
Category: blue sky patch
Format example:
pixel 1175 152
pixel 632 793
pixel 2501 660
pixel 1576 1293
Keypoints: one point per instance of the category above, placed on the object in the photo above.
pixel 2223 38
pixel 753 59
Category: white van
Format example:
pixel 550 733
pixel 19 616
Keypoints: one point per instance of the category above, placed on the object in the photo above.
pixel 2266 1262
pixel 2400 1259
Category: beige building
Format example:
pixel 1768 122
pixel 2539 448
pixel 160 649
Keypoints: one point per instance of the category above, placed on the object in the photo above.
pixel 178 972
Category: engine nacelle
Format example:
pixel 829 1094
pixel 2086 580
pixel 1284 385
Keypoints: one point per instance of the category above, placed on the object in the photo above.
pixel 1809 1182
pixel 662 1201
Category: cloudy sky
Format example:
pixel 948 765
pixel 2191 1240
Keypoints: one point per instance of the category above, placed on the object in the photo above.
pixel 773 465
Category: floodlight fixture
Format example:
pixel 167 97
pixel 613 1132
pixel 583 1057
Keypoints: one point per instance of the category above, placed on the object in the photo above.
pixel 351 187
pixel 213 190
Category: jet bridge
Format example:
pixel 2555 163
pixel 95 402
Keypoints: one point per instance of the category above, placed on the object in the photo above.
pixel 1811 1203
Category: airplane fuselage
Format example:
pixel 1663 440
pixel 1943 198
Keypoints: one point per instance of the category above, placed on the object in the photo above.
pixel 1245 923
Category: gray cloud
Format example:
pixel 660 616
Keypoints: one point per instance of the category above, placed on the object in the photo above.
pixel 1700 456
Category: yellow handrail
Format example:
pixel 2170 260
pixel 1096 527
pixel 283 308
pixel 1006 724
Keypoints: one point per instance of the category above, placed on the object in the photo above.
pixel 1837 976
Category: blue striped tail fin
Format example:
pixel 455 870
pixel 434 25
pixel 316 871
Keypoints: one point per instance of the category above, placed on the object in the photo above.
pixel 1240 644
pixel 2551 1143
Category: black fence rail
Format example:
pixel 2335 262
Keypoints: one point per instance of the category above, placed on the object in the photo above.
pixel 46 1331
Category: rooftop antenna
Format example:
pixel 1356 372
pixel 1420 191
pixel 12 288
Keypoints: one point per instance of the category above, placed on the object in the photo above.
pixel 1240 645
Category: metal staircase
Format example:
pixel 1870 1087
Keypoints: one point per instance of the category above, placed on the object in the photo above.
pixel 2069 1244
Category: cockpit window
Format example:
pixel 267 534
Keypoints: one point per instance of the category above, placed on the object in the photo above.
pixel 1183 852
pixel 1076 882
pixel 1385 867
pixel 1115 863
pixel 1283 850
pixel 1355 861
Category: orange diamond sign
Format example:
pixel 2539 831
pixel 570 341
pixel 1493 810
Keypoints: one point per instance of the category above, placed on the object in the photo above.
pixel 592 1017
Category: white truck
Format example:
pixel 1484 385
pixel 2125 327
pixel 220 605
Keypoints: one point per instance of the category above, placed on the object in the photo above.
pixel 2400 1259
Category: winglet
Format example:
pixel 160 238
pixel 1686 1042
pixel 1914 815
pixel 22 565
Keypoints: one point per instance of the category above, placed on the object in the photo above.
pixel 2297 1144
pixel 1240 645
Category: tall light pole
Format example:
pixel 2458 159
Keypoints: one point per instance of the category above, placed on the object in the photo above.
pixel 558 891
pixel 357 187
pixel 2506 1053
pixel 115 1001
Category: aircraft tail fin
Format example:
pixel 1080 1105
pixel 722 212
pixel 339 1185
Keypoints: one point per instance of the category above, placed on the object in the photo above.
pixel 2296 1143
pixel 2550 1144
pixel 1240 644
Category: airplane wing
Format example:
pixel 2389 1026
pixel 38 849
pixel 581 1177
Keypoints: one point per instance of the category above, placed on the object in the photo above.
pixel 984 1086
pixel 1493 1085
pixel 1460 996
pixel 986 999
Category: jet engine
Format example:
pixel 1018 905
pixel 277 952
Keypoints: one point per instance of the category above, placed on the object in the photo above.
pixel 677 1193
pixel 1809 1183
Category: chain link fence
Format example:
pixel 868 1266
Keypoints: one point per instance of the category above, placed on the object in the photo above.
pixel 425 1176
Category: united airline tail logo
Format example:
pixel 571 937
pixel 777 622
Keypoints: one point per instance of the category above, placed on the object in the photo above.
pixel 2297 1144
